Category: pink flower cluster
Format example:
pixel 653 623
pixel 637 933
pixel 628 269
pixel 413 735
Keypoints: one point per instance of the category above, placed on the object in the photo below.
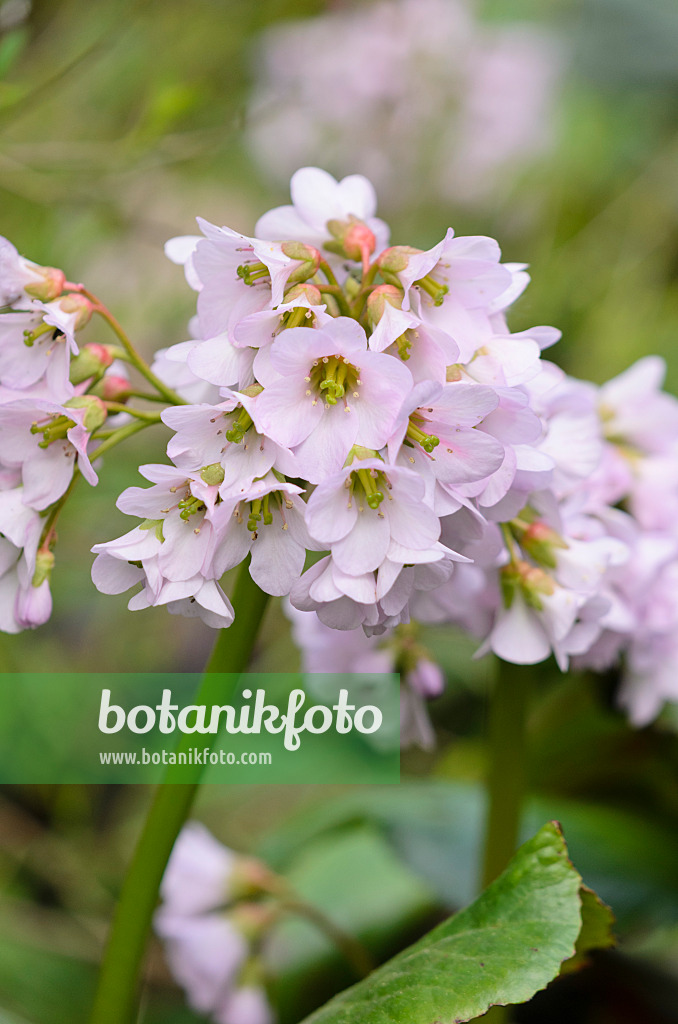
pixel 46 423
pixel 428 93
pixel 361 421
pixel 358 422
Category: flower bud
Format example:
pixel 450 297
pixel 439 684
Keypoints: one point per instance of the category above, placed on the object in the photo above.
pixel 95 414
pixel 251 877
pixel 91 361
pixel 426 679
pixel 539 541
pixel 304 290
pixel 79 305
pixel 33 605
pixel 353 239
pixel 381 296
pixel 529 580
pixel 112 388
pixel 212 475
pixel 396 259
pixel 50 286
pixel 307 256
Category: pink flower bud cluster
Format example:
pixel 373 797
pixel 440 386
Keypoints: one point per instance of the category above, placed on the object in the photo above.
pixel 209 931
pixel 361 421
pixel 46 421
pixel 428 93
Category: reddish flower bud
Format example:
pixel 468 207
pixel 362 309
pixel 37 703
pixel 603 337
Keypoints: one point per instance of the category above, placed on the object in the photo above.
pixel 96 412
pixel 307 256
pixel 304 290
pixel 353 239
pixel 112 388
pixel 79 305
pixel 91 361
pixel 396 258
pixel 381 296
pixel 50 287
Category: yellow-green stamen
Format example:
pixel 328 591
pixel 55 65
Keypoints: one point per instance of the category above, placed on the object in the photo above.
pixel 433 288
pixel 427 441
pixel 239 427
pixel 55 429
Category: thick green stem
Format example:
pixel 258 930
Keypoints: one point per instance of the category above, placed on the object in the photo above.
pixel 509 703
pixel 116 999
pixel 507 774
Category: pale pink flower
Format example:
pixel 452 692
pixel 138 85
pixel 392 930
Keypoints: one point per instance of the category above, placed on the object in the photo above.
pixel 327 391
pixel 198 874
pixel 43 440
pixel 317 198
pixel 369 512
pixel 205 954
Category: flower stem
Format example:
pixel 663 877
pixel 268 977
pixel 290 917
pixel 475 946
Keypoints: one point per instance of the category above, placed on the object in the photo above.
pixel 507 775
pixel 121 434
pixel 141 414
pixel 133 356
pixel 116 999
pixel 351 949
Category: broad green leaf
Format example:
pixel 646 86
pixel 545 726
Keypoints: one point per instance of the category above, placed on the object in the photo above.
pixel 597 922
pixel 502 949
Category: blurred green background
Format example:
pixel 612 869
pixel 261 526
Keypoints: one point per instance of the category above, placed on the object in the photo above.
pixel 121 121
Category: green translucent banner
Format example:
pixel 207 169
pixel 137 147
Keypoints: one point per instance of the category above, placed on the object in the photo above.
pixel 252 728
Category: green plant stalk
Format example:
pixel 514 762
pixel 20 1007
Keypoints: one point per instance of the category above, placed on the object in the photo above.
pixel 506 782
pixel 116 999
pixel 507 770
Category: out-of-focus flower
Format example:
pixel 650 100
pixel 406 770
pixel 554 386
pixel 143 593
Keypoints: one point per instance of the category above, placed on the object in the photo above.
pixel 407 91
pixel 207 931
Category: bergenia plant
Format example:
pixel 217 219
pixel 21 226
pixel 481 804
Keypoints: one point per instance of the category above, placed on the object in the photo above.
pixel 356 425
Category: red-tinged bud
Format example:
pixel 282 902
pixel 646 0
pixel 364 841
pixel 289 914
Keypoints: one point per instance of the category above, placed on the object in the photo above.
pixel 529 580
pixel 96 412
pixel 112 388
pixel 251 877
pixel 540 542
pixel 49 287
pixel 397 258
pixel 353 239
pixel 91 361
pixel 384 294
pixel 79 305
pixel 307 256
pixel 304 290
pixel 302 252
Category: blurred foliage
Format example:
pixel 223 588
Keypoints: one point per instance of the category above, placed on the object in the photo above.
pixel 119 122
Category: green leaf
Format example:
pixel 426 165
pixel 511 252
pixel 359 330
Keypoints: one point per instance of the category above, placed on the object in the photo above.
pixel 597 921
pixel 502 949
